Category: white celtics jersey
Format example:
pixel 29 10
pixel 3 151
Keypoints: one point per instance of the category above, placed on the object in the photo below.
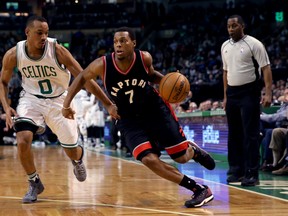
pixel 44 76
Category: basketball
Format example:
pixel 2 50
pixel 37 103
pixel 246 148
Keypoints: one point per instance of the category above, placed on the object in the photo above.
pixel 174 87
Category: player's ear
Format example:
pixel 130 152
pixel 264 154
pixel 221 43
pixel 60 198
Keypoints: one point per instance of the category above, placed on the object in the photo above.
pixel 134 43
pixel 26 31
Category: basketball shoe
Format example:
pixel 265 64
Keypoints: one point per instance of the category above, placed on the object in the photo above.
pixel 200 198
pixel 202 157
pixel 79 170
pixel 250 180
pixel 35 187
pixel 234 178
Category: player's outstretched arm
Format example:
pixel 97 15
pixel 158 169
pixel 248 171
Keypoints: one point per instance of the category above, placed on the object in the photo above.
pixel 93 70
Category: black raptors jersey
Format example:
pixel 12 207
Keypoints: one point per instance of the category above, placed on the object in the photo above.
pixel 130 90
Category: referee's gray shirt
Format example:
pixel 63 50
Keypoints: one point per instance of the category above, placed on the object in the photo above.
pixel 238 62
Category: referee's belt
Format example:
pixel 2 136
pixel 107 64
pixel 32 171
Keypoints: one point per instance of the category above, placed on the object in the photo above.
pixel 43 97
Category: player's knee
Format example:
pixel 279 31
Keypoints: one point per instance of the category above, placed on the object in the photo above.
pixel 23 145
pixel 150 160
pixel 24 138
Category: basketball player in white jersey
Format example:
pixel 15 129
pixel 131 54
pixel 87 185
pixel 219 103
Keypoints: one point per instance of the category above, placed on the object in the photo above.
pixel 45 68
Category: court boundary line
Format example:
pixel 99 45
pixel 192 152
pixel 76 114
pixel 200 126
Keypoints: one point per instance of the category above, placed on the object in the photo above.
pixel 102 205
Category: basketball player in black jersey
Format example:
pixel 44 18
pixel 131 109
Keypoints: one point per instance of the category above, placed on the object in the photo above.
pixel 145 120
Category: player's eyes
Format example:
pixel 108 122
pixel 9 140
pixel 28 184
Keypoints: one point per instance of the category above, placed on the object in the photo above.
pixel 120 41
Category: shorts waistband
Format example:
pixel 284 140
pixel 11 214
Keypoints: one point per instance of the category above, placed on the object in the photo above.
pixel 43 97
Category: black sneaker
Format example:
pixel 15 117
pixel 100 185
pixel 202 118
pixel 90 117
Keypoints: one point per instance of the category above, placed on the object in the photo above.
pixel 202 157
pixel 234 178
pixel 250 181
pixel 200 198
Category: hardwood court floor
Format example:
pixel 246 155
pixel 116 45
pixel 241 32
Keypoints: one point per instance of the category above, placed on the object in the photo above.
pixel 119 186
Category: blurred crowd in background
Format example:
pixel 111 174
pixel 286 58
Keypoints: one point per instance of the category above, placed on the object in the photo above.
pixel 192 45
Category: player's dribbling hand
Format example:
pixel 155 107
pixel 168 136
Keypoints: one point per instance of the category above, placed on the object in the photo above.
pixel 68 112
pixel 113 111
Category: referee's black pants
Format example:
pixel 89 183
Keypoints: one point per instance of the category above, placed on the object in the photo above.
pixel 243 118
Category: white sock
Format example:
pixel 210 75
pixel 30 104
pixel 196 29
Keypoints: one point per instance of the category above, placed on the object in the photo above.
pixel 33 176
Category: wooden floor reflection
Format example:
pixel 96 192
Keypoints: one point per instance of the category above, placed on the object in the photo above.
pixel 116 186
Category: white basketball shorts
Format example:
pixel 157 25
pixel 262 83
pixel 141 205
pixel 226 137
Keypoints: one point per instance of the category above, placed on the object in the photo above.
pixel 48 111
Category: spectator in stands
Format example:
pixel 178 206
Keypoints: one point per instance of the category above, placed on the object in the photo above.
pixel 205 105
pixel 82 102
pixel 278 147
pixel 95 121
pixel 192 107
pixel 77 43
pixel 14 88
pixel 267 123
pixel 284 169
pixel 283 97
pixel 243 56
pixel 216 105
pixel 264 141
pixel 114 135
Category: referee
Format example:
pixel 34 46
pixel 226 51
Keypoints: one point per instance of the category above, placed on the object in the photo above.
pixel 244 57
